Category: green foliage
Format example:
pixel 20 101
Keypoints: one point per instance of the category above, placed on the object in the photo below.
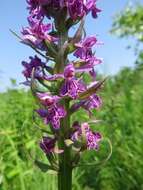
pixel 18 140
pixel 122 123
pixel 129 23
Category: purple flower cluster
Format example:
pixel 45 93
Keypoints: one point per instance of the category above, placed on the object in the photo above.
pixel 76 9
pixel 57 81
pixel 80 8
pixel 37 34
pixel 72 86
pixel 53 112
pixel 35 63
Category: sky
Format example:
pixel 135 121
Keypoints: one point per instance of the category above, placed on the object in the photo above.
pixel 13 16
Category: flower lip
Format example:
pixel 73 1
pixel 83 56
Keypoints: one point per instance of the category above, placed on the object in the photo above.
pixel 36 63
pixel 72 87
pixel 87 42
pixel 52 115
pixel 47 100
pixel 86 136
pixel 69 71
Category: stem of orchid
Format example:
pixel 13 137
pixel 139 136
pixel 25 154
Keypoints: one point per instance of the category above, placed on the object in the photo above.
pixel 60 60
pixel 65 168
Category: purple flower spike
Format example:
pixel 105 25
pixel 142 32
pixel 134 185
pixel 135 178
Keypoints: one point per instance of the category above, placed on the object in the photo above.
pixel 59 83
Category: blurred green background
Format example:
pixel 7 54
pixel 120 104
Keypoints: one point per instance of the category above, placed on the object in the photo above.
pixel 122 123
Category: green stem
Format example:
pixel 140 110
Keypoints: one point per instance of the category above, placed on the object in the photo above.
pixel 61 59
pixel 65 169
pixel 65 173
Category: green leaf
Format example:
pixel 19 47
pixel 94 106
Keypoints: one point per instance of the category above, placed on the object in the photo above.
pixel 43 167
pixel 91 90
